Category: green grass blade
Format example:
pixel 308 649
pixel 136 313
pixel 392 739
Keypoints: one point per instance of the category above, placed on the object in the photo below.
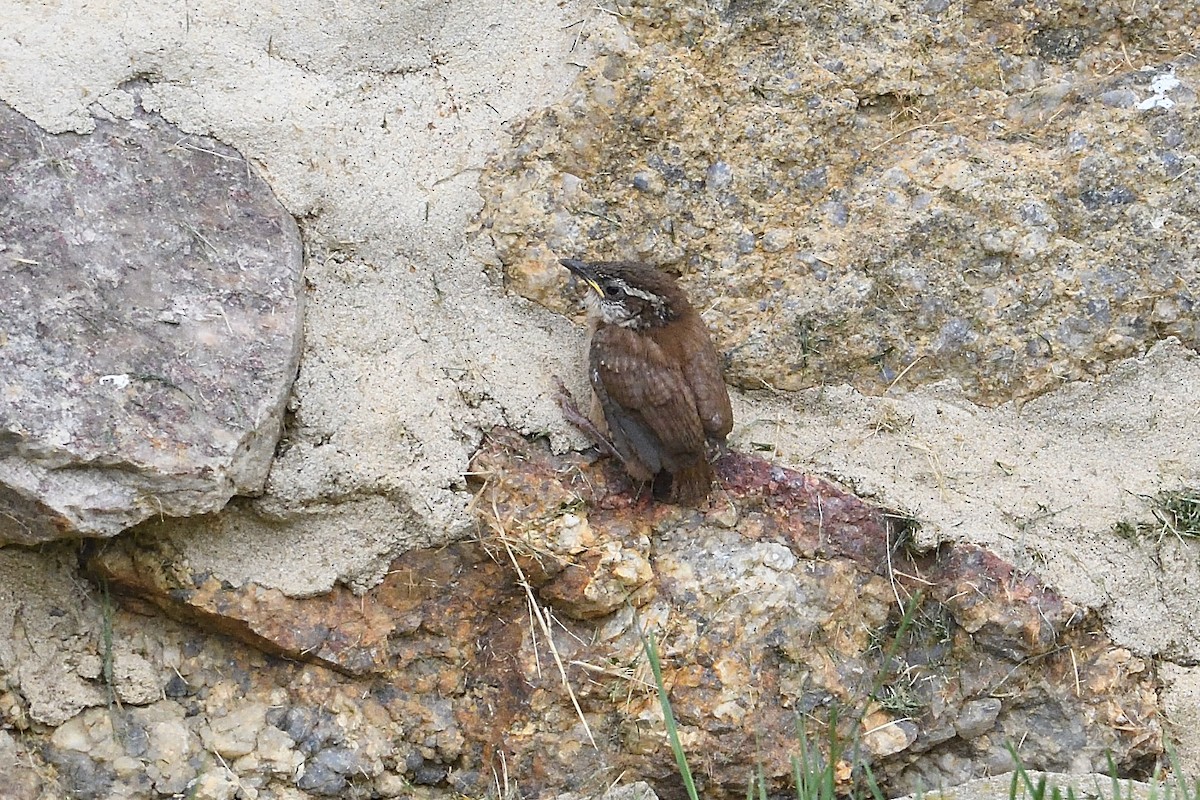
pixel 1035 792
pixel 872 784
pixel 1186 789
pixel 685 771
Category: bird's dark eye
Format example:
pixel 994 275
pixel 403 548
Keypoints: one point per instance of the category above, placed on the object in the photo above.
pixel 611 291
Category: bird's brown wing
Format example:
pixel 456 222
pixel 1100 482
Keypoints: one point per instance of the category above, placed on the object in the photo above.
pixel 649 407
pixel 708 384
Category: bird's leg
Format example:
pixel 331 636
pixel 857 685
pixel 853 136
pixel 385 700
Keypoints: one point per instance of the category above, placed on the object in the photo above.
pixel 573 415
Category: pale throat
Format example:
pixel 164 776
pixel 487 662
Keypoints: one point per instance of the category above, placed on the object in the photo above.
pixel 611 312
pixel 616 314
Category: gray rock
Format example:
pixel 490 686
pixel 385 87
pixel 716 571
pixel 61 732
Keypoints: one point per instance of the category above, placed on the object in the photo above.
pixel 21 780
pixel 152 320
pixel 977 717
pixel 629 791
pixel 83 777
pixel 236 733
pixel 325 774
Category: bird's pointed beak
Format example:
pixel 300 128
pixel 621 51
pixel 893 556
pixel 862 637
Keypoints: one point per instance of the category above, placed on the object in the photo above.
pixel 584 272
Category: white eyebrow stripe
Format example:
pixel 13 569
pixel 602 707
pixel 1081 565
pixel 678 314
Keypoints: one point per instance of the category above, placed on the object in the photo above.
pixel 631 291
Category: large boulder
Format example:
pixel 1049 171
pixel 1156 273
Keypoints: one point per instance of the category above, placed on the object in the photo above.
pixel 152 325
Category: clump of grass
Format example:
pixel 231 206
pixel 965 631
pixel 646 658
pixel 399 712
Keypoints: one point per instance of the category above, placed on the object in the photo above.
pixel 1125 529
pixel 900 697
pixel 1179 513
pixel 816 777
pixel 924 626
pixel 902 530
pixel 1176 513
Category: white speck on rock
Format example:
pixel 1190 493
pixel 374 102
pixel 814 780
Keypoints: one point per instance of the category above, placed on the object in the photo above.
pixel 1159 87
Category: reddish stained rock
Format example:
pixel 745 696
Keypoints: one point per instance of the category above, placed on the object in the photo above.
pixel 777 604
pixel 335 630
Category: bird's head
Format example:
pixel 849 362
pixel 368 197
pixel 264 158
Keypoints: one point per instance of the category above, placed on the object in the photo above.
pixel 628 293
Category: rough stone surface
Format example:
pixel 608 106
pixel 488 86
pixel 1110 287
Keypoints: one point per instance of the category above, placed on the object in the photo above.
pixel 1096 786
pixel 780 602
pixel 1042 483
pixel 21 779
pixel 373 129
pixel 152 325
pixel 633 791
pixel 1181 705
pixel 874 192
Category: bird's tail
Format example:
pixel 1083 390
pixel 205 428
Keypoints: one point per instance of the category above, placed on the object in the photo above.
pixel 691 485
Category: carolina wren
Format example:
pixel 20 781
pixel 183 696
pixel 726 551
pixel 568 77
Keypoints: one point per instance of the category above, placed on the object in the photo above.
pixel 656 376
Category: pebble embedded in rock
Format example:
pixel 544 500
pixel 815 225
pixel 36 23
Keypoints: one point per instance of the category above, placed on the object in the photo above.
pixel 977 717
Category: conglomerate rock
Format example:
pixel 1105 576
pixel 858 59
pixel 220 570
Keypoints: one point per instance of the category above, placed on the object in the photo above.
pixel 151 328
pixel 867 191
pixel 781 604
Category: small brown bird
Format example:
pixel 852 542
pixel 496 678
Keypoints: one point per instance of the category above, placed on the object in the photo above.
pixel 656 376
